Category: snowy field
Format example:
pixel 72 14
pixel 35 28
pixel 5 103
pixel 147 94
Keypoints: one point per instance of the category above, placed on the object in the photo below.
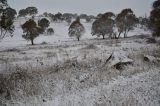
pixel 67 72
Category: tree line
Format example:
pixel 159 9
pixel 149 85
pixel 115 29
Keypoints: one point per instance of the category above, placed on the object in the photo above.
pixel 108 25
pixel 7 15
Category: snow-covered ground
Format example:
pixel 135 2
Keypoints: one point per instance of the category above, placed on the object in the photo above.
pixel 67 72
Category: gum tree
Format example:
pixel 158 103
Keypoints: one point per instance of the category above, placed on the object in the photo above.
pixel 30 30
pixel 7 16
pixel 104 25
pixel 125 22
pixel 76 29
pixel 155 18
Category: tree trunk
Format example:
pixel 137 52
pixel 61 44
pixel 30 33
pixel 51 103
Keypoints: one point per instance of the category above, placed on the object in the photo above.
pixel 115 36
pixel 78 38
pixel 32 42
pixel 119 35
pixel 125 34
pixel 103 36
pixel 1 34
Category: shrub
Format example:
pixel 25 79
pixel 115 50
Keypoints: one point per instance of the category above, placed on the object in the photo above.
pixel 50 31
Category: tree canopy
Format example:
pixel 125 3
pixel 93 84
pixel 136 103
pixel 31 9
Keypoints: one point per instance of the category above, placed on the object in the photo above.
pixel 28 11
pixel 76 29
pixel 43 23
pixel 30 30
pixel 155 18
pixel 10 13
pixel 104 25
pixel 50 31
pixel 7 14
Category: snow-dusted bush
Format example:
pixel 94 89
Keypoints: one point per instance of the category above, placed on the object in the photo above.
pixel 76 29
pixel 50 31
pixel 43 23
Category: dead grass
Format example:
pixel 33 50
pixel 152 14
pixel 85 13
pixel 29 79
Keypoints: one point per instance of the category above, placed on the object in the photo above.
pixel 45 80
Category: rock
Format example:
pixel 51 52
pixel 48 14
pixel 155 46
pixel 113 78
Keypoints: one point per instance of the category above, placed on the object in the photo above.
pixel 152 59
pixel 120 65
pixel 44 100
pixel 119 60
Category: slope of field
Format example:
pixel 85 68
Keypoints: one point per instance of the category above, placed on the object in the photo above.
pixel 67 72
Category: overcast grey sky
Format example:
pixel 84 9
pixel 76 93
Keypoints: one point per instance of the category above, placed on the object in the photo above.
pixel 93 7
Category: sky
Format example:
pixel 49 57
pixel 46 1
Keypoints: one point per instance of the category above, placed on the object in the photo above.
pixel 92 7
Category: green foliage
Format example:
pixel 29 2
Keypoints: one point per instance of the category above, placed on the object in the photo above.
pixel 3 3
pixel 50 31
pixel 22 13
pixel 83 16
pixel 28 11
pixel 99 15
pixel 156 4
pixel 45 14
pixel 88 19
pixel 6 26
pixel 32 10
pixel 7 15
pixel 104 25
pixel 125 21
pixel 144 22
pixel 10 13
pixel 155 18
pixel 68 15
pixel 58 17
pixel 30 30
pixel 44 23
pixel 76 29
